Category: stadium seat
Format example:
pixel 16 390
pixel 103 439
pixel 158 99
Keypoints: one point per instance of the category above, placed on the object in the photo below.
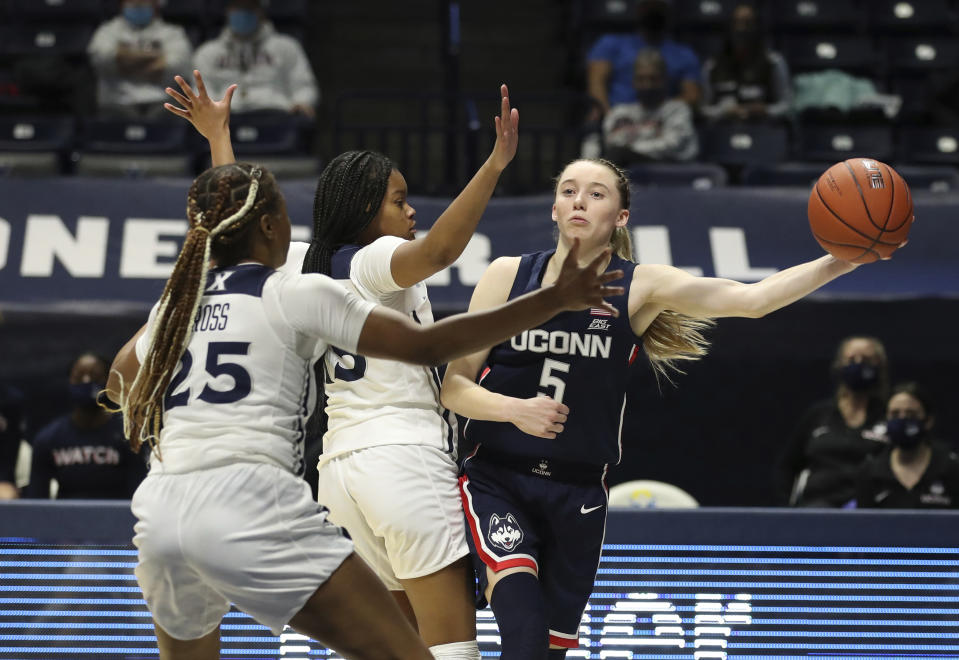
pixel 910 16
pixel 271 135
pixel 914 92
pixel 791 16
pixel 712 15
pixel 134 149
pixel 54 10
pixel 839 142
pixel 928 144
pixel 62 39
pixel 934 178
pixel 793 175
pixel 649 494
pixel 283 10
pixel 609 13
pixel 34 146
pixel 848 53
pixel 911 55
pixel 743 144
pixel 701 176
pixel 179 11
pixel 133 166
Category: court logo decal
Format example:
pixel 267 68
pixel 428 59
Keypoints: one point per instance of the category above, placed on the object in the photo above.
pixel 505 532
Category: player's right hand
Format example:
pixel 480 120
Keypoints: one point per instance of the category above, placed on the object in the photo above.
pixel 540 416
pixel 209 117
pixel 582 288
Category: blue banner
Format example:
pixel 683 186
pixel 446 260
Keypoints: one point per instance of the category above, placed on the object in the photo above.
pixel 93 244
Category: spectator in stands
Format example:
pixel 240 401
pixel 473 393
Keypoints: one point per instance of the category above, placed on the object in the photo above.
pixel 85 451
pixel 746 80
pixel 914 471
pixel 655 128
pixel 11 428
pixel 834 437
pixel 272 70
pixel 611 61
pixel 133 54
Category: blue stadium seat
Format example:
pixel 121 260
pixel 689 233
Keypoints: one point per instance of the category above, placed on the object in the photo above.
pixel 34 146
pixel 88 11
pixel 910 16
pixel 815 15
pixel 934 178
pixel 796 175
pixel 695 175
pixel 839 142
pixel 914 92
pixel 848 53
pixel 252 135
pixel 118 137
pixel 917 54
pixel 744 144
pixel 64 39
pixel 928 144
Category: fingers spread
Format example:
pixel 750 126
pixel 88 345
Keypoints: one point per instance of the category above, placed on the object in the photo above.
pixel 201 88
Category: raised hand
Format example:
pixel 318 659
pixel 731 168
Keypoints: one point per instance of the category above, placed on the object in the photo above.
pixel 580 288
pixel 507 133
pixel 540 416
pixel 209 117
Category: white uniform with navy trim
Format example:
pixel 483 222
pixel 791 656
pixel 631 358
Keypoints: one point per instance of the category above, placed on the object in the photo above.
pixel 388 471
pixel 222 517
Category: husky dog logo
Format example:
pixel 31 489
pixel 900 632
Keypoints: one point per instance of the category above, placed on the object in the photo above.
pixel 505 532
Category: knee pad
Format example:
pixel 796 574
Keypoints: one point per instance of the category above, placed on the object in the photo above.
pixel 456 651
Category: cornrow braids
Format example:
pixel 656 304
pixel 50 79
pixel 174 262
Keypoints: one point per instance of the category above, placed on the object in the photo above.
pixel 348 196
pixel 222 204
pixel 671 336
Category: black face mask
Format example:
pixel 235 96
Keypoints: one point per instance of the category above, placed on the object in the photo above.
pixel 653 21
pixel 905 432
pixel 859 376
pixel 651 98
pixel 84 395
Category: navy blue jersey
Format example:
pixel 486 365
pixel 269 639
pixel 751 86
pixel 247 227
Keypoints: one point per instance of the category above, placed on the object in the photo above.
pixel 580 358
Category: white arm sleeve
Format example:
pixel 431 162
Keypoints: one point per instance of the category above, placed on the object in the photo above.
pixel 371 268
pixel 317 306
pixel 143 343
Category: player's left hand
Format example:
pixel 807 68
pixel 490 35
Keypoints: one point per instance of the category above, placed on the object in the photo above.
pixel 507 133
pixel 208 117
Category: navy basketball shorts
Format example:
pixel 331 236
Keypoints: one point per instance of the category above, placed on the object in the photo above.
pixel 519 514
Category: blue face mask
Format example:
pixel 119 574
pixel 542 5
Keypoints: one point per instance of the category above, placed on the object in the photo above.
pixel 859 376
pixel 905 432
pixel 243 22
pixel 84 395
pixel 138 16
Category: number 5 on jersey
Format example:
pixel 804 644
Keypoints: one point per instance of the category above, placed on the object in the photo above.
pixel 216 366
pixel 547 379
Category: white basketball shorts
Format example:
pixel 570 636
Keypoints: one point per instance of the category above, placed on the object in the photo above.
pixel 248 534
pixel 401 506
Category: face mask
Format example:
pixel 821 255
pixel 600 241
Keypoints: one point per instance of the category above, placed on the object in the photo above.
pixel 243 22
pixel 84 395
pixel 651 98
pixel 905 432
pixel 859 376
pixel 653 21
pixel 138 16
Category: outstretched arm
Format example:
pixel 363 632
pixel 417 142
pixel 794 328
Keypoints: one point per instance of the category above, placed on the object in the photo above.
pixel 670 288
pixel 391 335
pixel 416 260
pixel 540 416
pixel 210 118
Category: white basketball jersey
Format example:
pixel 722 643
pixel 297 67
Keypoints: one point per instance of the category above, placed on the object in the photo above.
pixel 244 386
pixel 372 402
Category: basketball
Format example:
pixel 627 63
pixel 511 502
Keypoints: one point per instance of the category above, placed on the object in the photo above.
pixel 860 210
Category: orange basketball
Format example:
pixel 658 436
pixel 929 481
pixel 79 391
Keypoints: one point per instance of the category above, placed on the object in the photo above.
pixel 860 210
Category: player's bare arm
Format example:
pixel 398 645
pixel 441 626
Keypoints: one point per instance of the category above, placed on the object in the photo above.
pixel 210 118
pixel 657 287
pixel 124 369
pixel 539 416
pixel 391 335
pixel 416 260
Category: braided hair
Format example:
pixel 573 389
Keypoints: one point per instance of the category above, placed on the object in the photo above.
pixel 222 208
pixel 671 336
pixel 348 197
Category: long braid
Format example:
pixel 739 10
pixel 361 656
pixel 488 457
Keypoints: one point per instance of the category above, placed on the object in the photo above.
pixel 671 336
pixel 214 209
pixel 348 197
